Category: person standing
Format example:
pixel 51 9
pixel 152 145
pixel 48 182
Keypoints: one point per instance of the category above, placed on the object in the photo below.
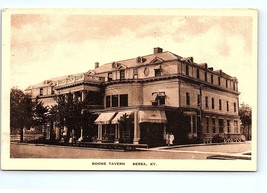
pixel 171 139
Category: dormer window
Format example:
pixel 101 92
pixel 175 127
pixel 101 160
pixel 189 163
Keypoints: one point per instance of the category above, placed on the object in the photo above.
pixel 157 70
pixel 122 74
pixel 109 76
pixel 135 73
pixel 41 92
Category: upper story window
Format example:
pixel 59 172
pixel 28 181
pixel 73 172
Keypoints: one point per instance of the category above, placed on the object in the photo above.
pixel 219 81
pixel 109 76
pixel 41 92
pixel 212 103
pixel 124 100
pixel 52 90
pixel 220 104
pixel 198 100
pixel 207 102
pixel 226 83
pixel 198 73
pixel 227 105
pixel 115 100
pixel 122 74
pixel 157 72
pixel 187 69
pixel 158 98
pixel 211 78
pixel 135 73
pixel 234 107
pixel 187 98
pixel 107 101
pixel 234 85
pixel 206 77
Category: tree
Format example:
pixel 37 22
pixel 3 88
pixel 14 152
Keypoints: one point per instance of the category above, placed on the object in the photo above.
pixel 39 113
pixel 20 111
pixel 245 113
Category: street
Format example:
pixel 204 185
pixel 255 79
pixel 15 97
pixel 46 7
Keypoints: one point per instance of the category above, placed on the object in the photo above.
pixel 178 152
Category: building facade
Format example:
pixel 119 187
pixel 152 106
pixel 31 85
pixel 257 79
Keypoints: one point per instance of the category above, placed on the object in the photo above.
pixel 158 93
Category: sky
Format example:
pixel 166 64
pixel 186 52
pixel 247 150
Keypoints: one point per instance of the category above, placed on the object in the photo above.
pixel 44 46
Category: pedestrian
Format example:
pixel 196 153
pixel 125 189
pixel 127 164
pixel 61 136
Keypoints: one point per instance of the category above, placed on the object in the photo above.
pixel 171 138
pixel 167 138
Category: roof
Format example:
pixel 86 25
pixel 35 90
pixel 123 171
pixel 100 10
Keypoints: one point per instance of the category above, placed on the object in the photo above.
pixel 129 63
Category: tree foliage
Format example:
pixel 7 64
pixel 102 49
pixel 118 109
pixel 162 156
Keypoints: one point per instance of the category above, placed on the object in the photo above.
pixel 20 111
pixel 245 113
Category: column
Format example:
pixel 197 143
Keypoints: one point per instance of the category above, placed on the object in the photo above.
pixel 57 132
pixel 136 129
pixel 99 138
pixel 81 137
pixel 116 134
pixel 83 95
pixel 164 131
pixel 191 123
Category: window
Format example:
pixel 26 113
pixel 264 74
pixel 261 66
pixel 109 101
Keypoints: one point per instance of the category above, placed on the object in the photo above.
pixel 187 98
pixel 115 100
pixel 212 103
pixel 122 74
pixel 52 90
pixel 198 100
pixel 211 78
pixel 158 98
pixel 213 125
pixel 107 101
pixel 135 73
pixel 198 73
pixel 207 102
pixel 161 100
pixel 207 124
pixel 234 107
pixel 187 69
pixel 206 77
pixel 219 81
pixel 41 92
pixel 227 105
pixel 157 72
pixel 234 85
pixel 228 126
pixel 226 83
pixel 221 125
pixel 236 126
pixel 220 104
pixel 109 76
pixel 123 100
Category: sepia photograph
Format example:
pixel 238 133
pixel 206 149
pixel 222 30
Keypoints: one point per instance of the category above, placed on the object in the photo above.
pixel 129 89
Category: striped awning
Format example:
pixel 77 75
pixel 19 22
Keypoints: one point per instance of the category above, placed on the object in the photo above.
pixel 152 116
pixel 104 118
pixel 119 115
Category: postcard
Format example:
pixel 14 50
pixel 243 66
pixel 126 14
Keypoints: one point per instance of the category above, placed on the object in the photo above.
pixel 129 89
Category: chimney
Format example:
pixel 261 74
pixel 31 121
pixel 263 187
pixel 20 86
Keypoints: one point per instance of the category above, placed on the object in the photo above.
pixel 158 50
pixel 96 65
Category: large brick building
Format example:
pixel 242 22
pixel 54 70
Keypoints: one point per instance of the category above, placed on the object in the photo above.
pixel 163 92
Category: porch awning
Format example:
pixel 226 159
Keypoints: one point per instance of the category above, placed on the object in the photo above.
pixel 104 118
pixel 119 115
pixel 152 116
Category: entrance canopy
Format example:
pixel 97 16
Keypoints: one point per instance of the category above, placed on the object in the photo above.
pixel 104 118
pixel 152 116
pixel 119 115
